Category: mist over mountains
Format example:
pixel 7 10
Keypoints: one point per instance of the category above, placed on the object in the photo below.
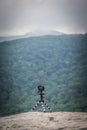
pixel 34 33
pixel 43 32
pixel 59 62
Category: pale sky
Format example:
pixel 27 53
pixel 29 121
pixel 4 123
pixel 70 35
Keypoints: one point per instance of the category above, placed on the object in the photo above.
pixel 22 16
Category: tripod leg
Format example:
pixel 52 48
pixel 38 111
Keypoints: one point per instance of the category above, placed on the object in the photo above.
pixel 43 106
pixel 46 105
pixel 37 104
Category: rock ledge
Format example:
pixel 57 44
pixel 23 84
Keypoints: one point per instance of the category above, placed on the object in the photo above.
pixel 45 121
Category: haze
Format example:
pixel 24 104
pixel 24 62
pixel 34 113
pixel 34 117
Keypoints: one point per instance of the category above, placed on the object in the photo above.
pixel 22 16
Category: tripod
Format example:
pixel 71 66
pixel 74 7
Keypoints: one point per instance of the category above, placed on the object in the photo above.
pixel 41 102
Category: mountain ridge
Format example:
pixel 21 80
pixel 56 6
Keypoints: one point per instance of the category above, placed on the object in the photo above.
pixel 36 33
pixel 33 34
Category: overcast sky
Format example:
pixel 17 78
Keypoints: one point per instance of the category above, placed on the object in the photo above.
pixel 21 16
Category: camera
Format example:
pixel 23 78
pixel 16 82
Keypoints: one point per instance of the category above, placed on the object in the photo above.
pixel 41 88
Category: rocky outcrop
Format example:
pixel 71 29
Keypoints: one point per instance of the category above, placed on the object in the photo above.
pixel 45 121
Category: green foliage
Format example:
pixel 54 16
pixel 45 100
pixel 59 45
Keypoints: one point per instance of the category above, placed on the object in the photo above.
pixel 57 62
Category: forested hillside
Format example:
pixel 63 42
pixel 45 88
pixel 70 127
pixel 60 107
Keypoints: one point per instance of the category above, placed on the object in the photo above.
pixel 57 62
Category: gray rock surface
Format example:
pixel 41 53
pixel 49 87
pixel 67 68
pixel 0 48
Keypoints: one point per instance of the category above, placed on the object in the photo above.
pixel 45 121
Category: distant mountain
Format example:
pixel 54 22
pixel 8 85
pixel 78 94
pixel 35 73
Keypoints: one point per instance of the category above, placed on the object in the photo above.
pixel 30 34
pixel 9 38
pixel 35 33
pixel 43 32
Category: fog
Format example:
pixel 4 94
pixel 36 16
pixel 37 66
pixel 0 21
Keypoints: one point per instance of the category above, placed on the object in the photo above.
pixel 22 16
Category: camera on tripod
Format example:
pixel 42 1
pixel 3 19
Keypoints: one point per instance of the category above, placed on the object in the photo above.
pixel 41 101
